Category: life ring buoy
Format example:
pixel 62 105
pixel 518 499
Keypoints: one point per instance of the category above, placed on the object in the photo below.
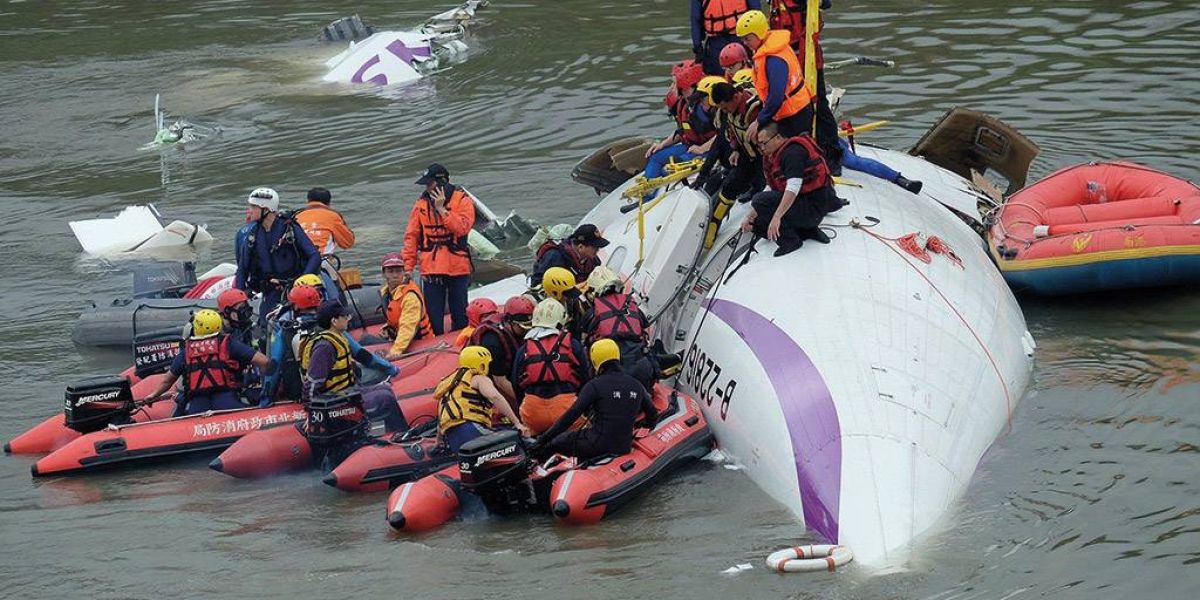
pixel 801 559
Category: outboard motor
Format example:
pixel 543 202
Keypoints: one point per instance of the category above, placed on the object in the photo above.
pixel 97 402
pixel 164 280
pixel 337 425
pixel 154 351
pixel 496 467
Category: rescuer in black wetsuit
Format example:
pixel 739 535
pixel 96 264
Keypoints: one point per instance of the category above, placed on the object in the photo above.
pixel 613 399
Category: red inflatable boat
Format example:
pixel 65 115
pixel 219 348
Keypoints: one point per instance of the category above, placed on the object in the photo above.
pixel 283 449
pixel 384 464
pixel 1099 226
pixel 496 469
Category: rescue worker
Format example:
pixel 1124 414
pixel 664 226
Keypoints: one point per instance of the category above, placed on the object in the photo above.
pixel 327 361
pixel 549 368
pixel 478 310
pixel 560 284
pixel 615 315
pixel 272 251
pixel 714 25
pixel 234 306
pixel 778 77
pixel 287 328
pixel 801 191
pixel 734 58
pixel 407 320
pixel 612 400
pixel 466 399
pixel 577 253
pixel 210 364
pixel 326 228
pixel 791 16
pixel 502 336
pixel 693 128
pixel 735 111
pixel 436 240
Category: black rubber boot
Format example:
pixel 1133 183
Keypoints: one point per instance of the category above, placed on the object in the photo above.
pixel 911 185
pixel 815 234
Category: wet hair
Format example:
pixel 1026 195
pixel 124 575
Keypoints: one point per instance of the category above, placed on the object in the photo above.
pixel 723 92
pixel 320 194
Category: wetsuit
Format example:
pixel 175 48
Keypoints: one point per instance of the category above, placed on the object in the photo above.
pixel 282 252
pixel 614 400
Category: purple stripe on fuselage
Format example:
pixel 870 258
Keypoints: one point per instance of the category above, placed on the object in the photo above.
pixel 808 410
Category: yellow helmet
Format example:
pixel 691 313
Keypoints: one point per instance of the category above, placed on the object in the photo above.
pixel 753 22
pixel 206 323
pixel 705 87
pixel 476 358
pixel 557 280
pixel 601 279
pixel 310 280
pixel 743 79
pixel 603 351
pixel 549 313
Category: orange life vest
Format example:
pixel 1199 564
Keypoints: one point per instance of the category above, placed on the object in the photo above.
pixel 720 16
pixel 797 97
pixel 395 309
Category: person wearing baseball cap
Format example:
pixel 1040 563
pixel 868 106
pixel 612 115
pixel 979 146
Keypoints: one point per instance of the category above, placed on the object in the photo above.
pixel 327 358
pixel 576 253
pixel 272 250
pixel 404 306
pixel 435 240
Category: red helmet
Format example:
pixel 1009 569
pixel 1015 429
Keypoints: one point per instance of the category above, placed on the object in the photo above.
pixel 231 298
pixel 479 309
pixel 304 297
pixel 732 54
pixel 518 308
pixel 393 259
pixel 687 74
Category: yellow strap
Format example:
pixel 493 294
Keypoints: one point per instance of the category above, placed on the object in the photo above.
pixel 846 182
pixel 812 22
pixel 682 171
pixel 863 128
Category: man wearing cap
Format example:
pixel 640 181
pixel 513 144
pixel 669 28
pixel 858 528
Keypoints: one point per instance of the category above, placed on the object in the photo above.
pixel 576 253
pixel 271 250
pixel 436 241
pixel 404 306
pixel 326 228
pixel 327 359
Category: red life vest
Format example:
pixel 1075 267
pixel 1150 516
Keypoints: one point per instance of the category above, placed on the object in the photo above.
pixel 550 359
pixel 207 365
pixel 691 129
pixel 720 16
pixel 815 176
pixel 789 15
pixel 617 317
pixel 508 342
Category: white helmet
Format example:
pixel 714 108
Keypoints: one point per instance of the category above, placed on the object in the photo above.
pixel 603 279
pixel 264 197
pixel 549 313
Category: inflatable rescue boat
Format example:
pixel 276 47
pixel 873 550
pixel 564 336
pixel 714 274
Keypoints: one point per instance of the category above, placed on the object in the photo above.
pixel 1099 226
pixel 858 382
pixel 496 469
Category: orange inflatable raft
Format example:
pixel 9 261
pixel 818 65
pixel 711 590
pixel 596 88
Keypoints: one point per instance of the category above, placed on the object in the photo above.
pixel 1099 226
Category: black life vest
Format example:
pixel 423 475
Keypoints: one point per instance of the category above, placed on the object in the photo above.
pixel 207 365
pixel 257 275
pixel 616 317
pixel 550 359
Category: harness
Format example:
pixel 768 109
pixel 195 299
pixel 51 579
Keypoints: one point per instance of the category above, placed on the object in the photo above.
pixel 614 321
pixel 550 365
pixel 256 277
pixel 507 341
pixel 459 402
pixel 434 235
pixel 736 124
pixel 208 367
pixel 341 374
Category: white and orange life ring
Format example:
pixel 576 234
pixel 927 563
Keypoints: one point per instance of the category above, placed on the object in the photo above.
pixel 801 559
